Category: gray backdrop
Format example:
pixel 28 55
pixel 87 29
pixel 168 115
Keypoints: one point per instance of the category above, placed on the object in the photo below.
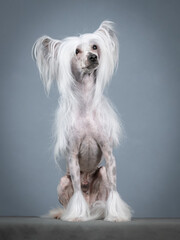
pixel 145 90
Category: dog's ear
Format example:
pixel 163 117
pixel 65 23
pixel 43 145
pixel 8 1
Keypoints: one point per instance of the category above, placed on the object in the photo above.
pixel 107 27
pixel 44 52
pixel 107 31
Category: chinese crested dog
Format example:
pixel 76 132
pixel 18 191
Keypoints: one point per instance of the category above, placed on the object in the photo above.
pixel 87 127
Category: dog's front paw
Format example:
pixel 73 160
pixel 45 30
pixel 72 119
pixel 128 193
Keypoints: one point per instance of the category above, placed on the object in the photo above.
pixel 77 209
pixel 116 209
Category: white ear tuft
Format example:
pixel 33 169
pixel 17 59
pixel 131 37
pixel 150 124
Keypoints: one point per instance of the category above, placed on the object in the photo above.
pixel 44 52
pixel 108 32
pixel 107 26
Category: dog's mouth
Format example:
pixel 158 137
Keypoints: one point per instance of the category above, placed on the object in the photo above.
pixel 91 66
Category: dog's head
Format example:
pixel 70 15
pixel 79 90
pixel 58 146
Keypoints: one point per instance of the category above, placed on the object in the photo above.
pixel 67 59
pixel 86 57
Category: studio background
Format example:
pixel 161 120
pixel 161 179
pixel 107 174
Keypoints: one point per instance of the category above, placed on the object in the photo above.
pixel 145 90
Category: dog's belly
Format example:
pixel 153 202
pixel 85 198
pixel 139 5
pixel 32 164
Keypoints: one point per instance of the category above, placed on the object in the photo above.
pixel 89 154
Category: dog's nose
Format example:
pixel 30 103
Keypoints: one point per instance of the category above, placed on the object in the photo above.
pixel 92 58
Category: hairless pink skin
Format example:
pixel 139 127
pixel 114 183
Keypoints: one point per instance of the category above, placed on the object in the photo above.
pixel 93 185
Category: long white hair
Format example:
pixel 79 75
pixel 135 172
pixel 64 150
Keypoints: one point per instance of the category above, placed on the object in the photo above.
pixel 53 58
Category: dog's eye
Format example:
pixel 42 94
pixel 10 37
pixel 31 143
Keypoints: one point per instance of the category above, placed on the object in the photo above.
pixel 77 51
pixel 94 47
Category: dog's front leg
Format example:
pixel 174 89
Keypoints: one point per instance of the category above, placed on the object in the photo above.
pixel 77 208
pixel 116 208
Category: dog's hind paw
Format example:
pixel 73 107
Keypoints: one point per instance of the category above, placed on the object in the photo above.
pixel 56 213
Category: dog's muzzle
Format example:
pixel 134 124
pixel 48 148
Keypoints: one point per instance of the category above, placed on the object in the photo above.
pixel 92 60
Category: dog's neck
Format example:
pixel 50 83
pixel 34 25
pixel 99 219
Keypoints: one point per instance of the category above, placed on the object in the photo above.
pixel 85 85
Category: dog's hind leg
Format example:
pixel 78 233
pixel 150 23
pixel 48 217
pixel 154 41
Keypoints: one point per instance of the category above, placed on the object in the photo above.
pixel 65 190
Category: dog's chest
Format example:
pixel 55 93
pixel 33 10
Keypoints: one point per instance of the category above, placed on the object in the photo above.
pixel 89 151
pixel 86 122
pixel 89 154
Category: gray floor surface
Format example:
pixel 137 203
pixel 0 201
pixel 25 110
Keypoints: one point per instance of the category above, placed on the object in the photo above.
pixel 44 228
